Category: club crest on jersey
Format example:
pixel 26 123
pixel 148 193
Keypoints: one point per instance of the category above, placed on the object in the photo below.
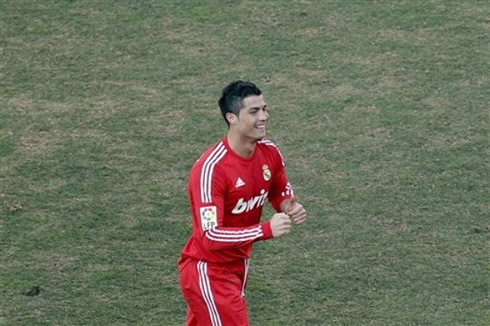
pixel 209 217
pixel 243 205
pixel 266 172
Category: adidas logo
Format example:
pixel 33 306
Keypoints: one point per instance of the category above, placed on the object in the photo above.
pixel 239 183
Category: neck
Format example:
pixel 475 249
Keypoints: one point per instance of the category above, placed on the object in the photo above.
pixel 242 147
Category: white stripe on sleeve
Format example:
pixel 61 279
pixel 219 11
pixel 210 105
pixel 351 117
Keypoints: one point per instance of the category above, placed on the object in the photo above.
pixel 234 236
pixel 207 172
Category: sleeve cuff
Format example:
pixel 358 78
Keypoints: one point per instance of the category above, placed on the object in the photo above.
pixel 266 230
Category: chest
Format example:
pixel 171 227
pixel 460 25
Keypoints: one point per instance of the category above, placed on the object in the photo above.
pixel 248 186
pixel 249 179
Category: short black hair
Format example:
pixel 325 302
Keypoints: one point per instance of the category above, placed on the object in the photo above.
pixel 232 96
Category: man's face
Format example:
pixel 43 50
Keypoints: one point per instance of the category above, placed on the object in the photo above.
pixel 253 117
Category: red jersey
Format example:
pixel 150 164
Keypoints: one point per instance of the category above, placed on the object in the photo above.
pixel 227 193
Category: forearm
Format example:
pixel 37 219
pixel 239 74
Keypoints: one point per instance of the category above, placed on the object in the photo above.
pixel 225 237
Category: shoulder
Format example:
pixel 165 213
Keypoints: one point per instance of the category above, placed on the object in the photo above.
pixel 210 158
pixel 207 177
pixel 270 147
pixel 268 143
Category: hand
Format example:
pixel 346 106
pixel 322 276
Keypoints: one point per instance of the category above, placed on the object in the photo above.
pixel 280 224
pixel 296 211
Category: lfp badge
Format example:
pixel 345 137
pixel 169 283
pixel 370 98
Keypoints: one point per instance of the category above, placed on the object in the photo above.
pixel 209 217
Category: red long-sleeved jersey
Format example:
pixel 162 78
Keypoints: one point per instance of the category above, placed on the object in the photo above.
pixel 227 193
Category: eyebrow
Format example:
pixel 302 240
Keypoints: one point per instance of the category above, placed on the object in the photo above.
pixel 258 107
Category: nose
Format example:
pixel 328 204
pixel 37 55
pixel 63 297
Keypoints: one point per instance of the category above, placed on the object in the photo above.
pixel 263 115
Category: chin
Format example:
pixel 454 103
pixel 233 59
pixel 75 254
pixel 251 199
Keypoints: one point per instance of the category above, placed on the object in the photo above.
pixel 257 137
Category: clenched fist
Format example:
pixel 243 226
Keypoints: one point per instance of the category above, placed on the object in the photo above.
pixel 296 211
pixel 280 224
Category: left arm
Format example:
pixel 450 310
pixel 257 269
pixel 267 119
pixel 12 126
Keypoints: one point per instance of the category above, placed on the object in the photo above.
pixel 281 194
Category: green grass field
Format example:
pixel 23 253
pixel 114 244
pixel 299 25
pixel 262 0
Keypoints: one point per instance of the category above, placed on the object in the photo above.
pixel 380 107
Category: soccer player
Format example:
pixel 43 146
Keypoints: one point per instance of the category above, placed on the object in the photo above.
pixel 227 188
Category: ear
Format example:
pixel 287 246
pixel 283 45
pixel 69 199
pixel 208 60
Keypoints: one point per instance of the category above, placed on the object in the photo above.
pixel 231 118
